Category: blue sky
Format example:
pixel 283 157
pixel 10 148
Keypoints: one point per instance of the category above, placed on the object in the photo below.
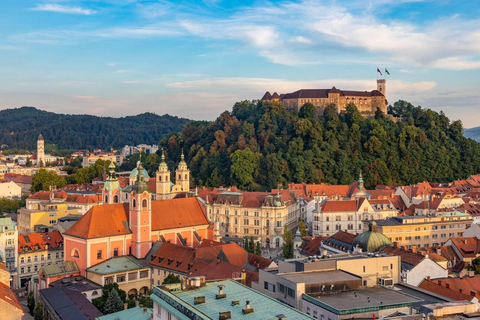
pixel 197 58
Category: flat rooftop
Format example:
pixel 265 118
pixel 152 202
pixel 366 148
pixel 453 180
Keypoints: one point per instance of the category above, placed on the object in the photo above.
pixel 365 298
pixel 319 277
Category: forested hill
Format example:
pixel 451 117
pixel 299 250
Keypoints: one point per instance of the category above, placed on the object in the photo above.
pixel 19 128
pixel 262 146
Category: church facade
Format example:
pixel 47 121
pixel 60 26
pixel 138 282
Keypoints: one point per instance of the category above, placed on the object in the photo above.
pixel 367 102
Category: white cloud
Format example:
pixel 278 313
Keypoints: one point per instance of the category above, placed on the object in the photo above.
pixel 52 7
pixel 300 39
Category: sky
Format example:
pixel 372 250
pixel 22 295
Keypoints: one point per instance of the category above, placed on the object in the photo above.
pixel 195 59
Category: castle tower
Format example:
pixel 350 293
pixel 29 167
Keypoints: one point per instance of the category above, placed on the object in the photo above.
pixel 382 86
pixel 162 180
pixel 182 175
pixel 140 216
pixel 111 188
pixel 40 151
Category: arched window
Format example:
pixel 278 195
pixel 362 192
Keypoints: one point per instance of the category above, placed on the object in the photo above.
pixel 75 253
pixel 134 203
pixel 115 199
pixel 94 293
pixel 179 177
pixel 186 177
pixel 144 203
pixel 166 178
pixel 160 178
pixel 106 199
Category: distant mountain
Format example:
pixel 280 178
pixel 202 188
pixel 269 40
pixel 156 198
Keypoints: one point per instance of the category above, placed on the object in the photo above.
pixel 20 127
pixel 472 133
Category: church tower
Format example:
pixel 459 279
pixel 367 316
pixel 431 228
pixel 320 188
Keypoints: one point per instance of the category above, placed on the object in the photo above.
pixel 140 216
pixel 382 86
pixel 162 180
pixel 183 175
pixel 40 151
pixel 111 188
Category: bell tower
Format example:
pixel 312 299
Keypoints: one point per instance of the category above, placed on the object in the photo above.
pixel 382 86
pixel 163 180
pixel 182 175
pixel 140 216
pixel 111 188
pixel 40 151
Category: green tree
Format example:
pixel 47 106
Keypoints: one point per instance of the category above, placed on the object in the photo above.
pixel 303 229
pixel 38 312
pixel 43 180
pixel 244 168
pixel 113 303
pixel 287 243
pixel 171 278
pixel 251 245
pixel 258 249
pixel 476 265
pixel 31 302
pixel 146 301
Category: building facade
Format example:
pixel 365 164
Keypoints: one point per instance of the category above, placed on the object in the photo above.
pixel 9 245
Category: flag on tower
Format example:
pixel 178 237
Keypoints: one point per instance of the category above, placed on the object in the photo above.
pixel 386 71
pixel 378 70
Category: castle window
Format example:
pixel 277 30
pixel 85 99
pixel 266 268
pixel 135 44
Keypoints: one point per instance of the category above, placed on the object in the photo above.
pixel 134 203
pixel 144 203
pixel 99 254
pixel 160 178
pixel 75 253
pixel 106 199
pixel 179 177
pixel 186 177
pixel 115 199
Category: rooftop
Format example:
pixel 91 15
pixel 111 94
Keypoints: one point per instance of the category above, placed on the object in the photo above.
pixel 118 264
pixel 60 268
pixel 318 277
pixel 376 297
pixel 136 313
pixel 79 283
pixel 69 304
pixel 181 303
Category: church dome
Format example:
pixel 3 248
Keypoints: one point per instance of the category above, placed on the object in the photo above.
pixel 134 173
pixel 371 240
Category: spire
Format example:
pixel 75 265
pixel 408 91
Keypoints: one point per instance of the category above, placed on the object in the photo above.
pixel 112 182
pixel 163 163
pixel 182 160
pixel 360 181
pixel 140 185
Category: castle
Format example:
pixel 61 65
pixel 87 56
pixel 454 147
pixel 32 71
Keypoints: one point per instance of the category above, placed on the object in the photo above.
pixel 367 102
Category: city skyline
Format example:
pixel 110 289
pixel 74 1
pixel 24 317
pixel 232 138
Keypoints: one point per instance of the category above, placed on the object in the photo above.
pixel 195 59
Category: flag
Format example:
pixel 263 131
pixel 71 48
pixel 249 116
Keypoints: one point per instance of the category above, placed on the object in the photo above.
pixel 378 70
pixel 386 71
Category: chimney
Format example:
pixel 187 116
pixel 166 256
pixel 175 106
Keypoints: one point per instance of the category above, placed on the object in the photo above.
pixel 137 303
pixel 428 278
pixel 220 294
pixel 145 309
pixel 395 244
pixel 414 249
pixel 125 306
pixel 439 282
pixel 439 251
pixel 248 309
pixel 471 274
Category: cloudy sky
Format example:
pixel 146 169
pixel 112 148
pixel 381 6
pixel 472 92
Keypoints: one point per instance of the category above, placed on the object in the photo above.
pixel 197 58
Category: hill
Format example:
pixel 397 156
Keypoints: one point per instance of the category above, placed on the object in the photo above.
pixel 20 127
pixel 472 133
pixel 259 146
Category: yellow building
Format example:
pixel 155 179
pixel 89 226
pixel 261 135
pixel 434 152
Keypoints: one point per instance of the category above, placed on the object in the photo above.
pixel 131 274
pixel 425 230
pixel 44 214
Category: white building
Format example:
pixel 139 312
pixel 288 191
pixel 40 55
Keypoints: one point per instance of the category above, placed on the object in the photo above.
pixel 10 190
pixel 9 244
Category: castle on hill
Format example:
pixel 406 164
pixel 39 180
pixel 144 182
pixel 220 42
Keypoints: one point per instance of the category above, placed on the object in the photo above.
pixel 367 102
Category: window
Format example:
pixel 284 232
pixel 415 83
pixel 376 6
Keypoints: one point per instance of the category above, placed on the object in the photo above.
pixel 417 237
pixel 384 268
pixel 108 280
pixel 257 214
pixel 363 268
pixel 29 259
pixel 144 203
pixel 245 230
pixel 245 222
pixel 443 227
pixel 49 256
pixel 279 224
pixel 282 288
pixel 53 221
pixel 308 310
pixel 443 235
pixel 35 268
pixel 56 255
pixel 29 269
pixel 115 252
pixel 144 274
pixel 257 231
pixel 42 258
pixel 99 254
pixel 327 218
pixel 22 260
pixel 22 270
pixel 408 238
pixel 245 213
pixel 257 222
pixel 159 310
pixel 291 293
pixel 315 314
pixel 121 278
pixel 338 218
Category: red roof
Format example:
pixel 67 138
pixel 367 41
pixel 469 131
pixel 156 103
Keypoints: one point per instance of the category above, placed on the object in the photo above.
pixel 37 241
pixel 341 205
pixel 17 178
pixel 312 247
pixel 112 219
pixel 468 246
pixel 408 257
pixel 466 284
pixel 7 295
pixel 218 269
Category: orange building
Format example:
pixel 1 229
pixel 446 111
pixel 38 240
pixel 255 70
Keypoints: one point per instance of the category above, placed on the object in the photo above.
pixel 118 229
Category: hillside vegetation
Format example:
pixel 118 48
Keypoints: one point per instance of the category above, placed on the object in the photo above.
pixel 262 146
pixel 19 128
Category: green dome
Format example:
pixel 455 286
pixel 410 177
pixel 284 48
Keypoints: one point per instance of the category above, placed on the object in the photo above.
pixel 134 173
pixel 371 240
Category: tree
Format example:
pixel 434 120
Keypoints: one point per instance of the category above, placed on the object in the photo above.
pixel 100 302
pixel 43 180
pixel 171 278
pixel 244 168
pixel 113 304
pixel 30 302
pixel 287 243
pixel 146 301
pixel 303 229
pixel 258 249
pixel 476 265
pixel 251 245
pixel 39 312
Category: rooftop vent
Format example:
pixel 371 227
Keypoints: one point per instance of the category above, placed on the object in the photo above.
pixel 235 303
pixel 248 309
pixel 199 300
pixel 224 315
pixel 220 294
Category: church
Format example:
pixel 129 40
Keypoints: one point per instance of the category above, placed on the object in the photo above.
pixel 367 102
pixel 130 221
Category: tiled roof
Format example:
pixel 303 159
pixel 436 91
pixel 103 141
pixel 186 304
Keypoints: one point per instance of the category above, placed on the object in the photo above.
pixel 439 286
pixel 177 258
pixel 468 246
pixel 219 270
pixel 37 241
pixel 7 295
pixel 312 247
pixel 406 256
pixel 340 206
pixel 343 236
pixel 112 219
pixel 18 178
